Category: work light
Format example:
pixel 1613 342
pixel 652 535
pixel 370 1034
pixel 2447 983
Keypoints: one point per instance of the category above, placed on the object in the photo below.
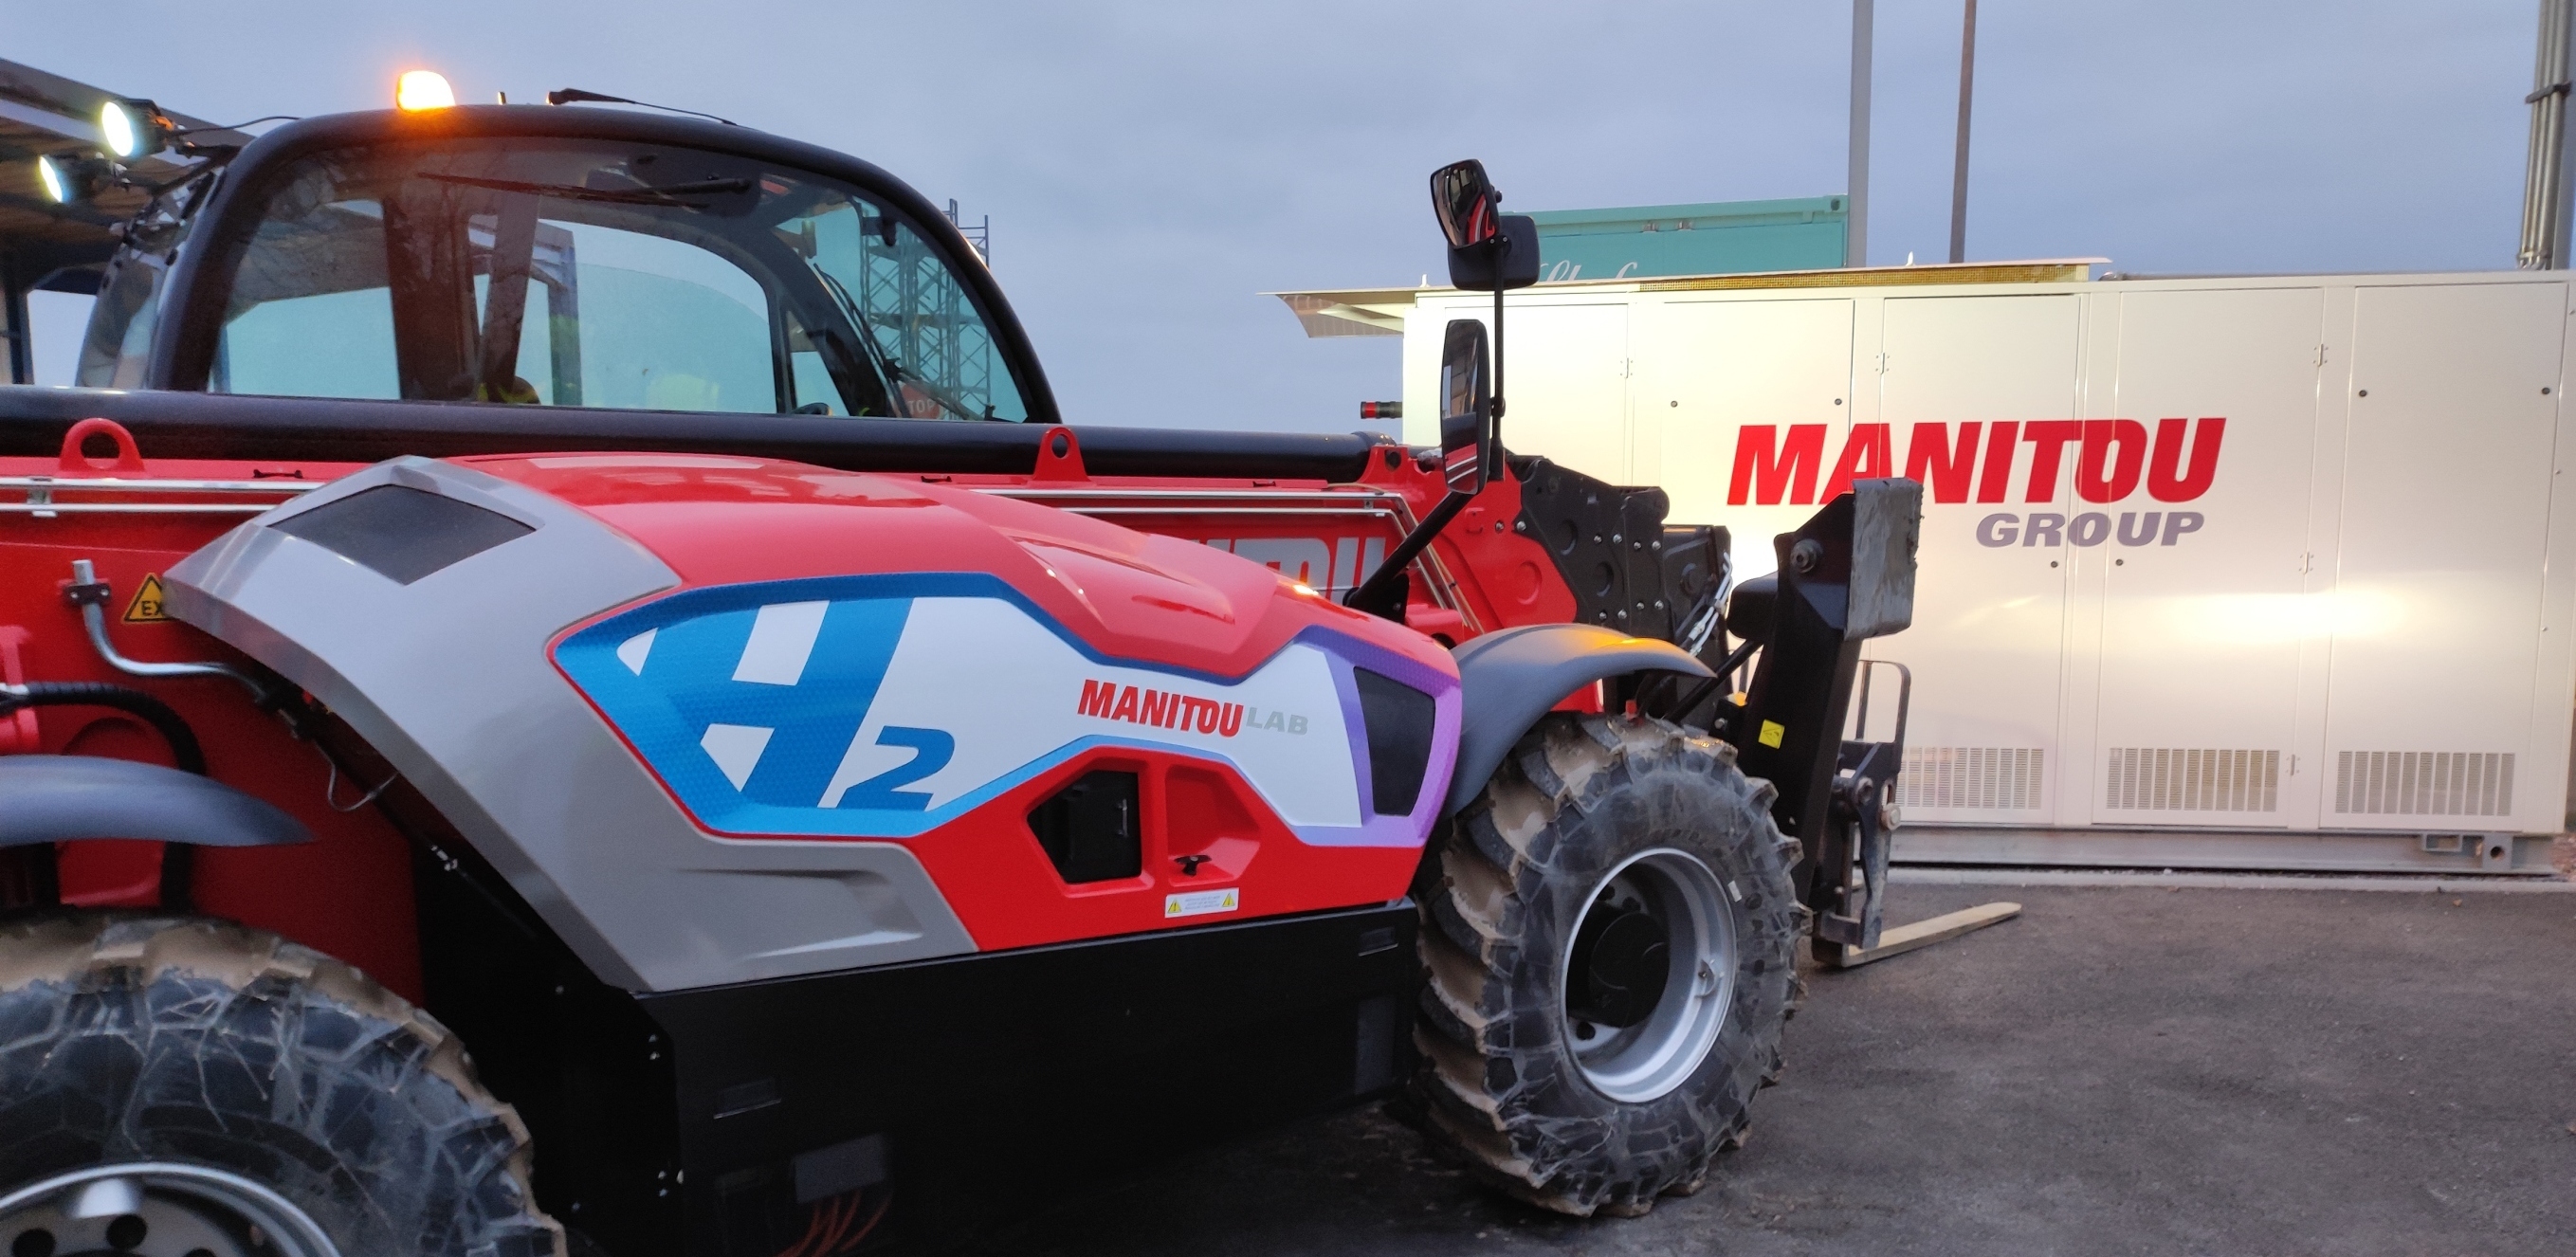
pixel 423 89
pixel 68 178
pixel 130 130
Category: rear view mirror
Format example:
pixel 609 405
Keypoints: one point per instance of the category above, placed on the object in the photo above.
pixel 1467 204
pixel 1466 405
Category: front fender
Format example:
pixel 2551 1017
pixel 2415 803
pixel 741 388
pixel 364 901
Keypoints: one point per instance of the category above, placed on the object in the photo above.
pixel 1507 680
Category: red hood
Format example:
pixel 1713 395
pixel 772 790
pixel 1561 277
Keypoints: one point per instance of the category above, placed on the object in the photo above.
pixel 722 520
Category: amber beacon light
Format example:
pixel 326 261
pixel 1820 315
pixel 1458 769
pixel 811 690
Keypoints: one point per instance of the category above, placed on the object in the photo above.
pixel 417 90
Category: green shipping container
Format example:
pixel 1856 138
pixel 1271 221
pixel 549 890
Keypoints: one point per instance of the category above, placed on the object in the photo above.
pixel 1716 238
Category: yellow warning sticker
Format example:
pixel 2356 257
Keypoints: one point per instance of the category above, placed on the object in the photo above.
pixel 1771 734
pixel 1200 903
pixel 146 607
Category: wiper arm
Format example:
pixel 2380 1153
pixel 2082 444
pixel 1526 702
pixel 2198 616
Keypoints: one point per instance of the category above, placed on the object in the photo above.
pixel 886 363
pixel 664 196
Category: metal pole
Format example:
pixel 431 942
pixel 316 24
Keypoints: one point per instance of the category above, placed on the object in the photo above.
pixel 2544 178
pixel 1959 172
pixel 1856 229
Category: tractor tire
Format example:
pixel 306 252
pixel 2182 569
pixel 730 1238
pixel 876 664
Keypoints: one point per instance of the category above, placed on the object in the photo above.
pixel 1565 1062
pixel 174 1086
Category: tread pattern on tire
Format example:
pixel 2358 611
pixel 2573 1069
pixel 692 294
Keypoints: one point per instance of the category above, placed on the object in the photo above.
pixel 155 1037
pixel 1497 1080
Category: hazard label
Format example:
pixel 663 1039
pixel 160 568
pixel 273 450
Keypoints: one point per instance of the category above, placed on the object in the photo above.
pixel 146 607
pixel 1771 734
pixel 1200 903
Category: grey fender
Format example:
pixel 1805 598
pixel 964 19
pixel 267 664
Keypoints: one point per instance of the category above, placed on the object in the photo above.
pixel 64 798
pixel 1507 680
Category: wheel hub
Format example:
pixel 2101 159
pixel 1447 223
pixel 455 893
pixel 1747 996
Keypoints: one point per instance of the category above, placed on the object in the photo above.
pixel 156 1209
pixel 1649 974
pixel 1621 958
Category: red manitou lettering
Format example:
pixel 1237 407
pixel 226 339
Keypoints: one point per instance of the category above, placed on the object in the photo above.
pixel 1865 457
pixel 1158 709
pixel 1231 723
pixel 1126 705
pixel 1208 711
pixel 2114 450
pixel 1997 477
pixel 2048 438
pixel 1943 468
pixel 1768 469
pixel 2161 480
pixel 1097 697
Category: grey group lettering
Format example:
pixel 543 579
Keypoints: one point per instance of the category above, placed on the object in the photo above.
pixel 2092 528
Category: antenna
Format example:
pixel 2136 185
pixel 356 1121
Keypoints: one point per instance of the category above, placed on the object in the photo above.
pixel 575 95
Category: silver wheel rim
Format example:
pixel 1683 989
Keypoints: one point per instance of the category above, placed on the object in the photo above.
pixel 1653 1055
pixel 158 1209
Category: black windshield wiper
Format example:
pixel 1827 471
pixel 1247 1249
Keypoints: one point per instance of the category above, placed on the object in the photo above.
pixel 887 365
pixel 662 196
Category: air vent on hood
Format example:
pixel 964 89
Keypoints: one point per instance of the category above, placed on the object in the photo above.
pixel 402 533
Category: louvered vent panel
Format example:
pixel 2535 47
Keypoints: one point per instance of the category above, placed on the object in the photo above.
pixel 1996 778
pixel 2192 779
pixel 2424 783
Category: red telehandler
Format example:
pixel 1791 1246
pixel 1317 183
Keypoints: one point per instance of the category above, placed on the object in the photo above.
pixel 563 687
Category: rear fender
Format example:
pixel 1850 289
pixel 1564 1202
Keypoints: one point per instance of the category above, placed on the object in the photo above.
pixel 69 798
pixel 1507 680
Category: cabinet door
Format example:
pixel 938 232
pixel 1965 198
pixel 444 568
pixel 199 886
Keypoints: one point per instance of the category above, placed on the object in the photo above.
pixel 1566 395
pixel 2437 584
pixel 1988 636
pixel 2204 613
pixel 1705 369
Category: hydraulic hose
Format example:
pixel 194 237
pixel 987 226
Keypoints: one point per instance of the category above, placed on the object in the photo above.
pixel 185 754
pixel 178 860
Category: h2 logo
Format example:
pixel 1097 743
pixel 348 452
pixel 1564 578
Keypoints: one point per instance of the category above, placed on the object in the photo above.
pixel 778 695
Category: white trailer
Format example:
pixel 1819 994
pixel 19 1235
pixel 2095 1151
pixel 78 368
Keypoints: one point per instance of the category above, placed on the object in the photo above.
pixel 2216 572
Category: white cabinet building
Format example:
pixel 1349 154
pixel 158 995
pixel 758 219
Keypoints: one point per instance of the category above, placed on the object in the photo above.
pixel 2225 572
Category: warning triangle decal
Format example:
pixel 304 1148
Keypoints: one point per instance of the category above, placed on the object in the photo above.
pixel 146 607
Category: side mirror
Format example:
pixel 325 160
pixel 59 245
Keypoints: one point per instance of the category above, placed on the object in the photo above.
pixel 1489 251
pixel 1466 406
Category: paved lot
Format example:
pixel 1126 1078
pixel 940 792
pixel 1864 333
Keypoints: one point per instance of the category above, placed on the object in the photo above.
pixel 2119 1071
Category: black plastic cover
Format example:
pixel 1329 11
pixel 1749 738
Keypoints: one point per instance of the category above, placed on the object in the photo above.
pixel 402 533
pixel 1400 721
pixel 1092 829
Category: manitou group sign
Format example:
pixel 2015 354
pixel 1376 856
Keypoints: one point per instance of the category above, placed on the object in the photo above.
pixel 2111 462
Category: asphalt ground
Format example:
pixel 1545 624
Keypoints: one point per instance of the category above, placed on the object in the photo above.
pixel 2121 1070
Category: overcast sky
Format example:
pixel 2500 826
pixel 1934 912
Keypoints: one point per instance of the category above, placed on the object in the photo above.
pixel 1151 168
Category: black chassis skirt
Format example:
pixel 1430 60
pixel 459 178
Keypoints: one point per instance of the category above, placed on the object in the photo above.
pixel 954 1086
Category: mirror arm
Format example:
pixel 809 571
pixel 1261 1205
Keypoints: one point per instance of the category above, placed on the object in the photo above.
pixel 1494 415
pixel 1389 573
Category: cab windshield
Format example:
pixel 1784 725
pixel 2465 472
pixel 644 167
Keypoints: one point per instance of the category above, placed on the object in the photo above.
pixel 583 273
